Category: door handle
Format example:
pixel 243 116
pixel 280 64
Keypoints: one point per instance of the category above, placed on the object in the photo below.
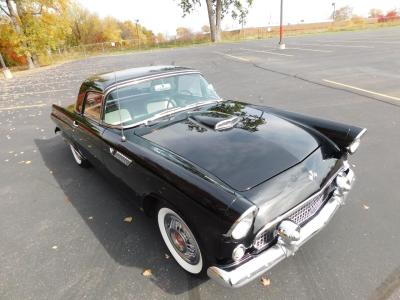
pixel 75 124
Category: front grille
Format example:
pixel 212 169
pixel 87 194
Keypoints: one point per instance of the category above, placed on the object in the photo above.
pixel 307 211
pixel 300 216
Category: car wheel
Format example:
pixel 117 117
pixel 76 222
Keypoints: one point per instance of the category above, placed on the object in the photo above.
pixel 180 240
pixel 78 157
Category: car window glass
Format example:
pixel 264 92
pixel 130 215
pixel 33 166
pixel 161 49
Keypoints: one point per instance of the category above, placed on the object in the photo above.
pixel 139 101
pixel 93 106
pixel 190 84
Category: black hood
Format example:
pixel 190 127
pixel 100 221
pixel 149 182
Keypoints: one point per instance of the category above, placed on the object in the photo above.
pixel 256 147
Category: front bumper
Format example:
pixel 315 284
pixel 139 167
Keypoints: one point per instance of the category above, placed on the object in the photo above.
pixel 284 248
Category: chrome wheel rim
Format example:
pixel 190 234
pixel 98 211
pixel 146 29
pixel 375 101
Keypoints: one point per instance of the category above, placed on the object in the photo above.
pixel 77 156
pixel 182 239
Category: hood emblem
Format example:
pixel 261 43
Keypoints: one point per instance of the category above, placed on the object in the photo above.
pixel 227 123
pixel 312 175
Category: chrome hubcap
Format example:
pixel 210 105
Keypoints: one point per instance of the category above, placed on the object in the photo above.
pixel 182 240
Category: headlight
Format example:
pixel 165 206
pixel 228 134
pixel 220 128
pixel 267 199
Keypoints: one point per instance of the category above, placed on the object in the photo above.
pixel 356 143
pixel 242 225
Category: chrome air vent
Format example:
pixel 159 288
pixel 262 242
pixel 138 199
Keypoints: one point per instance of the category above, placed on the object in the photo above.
pixel 216 120
pixel 227 124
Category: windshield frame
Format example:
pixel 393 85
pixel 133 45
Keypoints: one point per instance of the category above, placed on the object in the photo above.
pixel 148 78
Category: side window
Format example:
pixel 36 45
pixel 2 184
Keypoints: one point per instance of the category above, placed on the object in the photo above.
pixel 93 105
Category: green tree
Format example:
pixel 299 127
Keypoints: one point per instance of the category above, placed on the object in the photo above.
pixel 216 10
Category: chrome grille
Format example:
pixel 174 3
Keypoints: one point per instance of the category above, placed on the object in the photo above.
pixel 261 242
pixel 308 210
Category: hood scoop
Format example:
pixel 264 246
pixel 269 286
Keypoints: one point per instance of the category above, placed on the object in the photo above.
pixel 216 120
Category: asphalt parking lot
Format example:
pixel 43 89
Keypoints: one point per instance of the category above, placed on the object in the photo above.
pixel 62 234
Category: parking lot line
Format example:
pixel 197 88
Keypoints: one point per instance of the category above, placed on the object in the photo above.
pixel 22 106
pixel 362 90
pixel 307 49
pixel 268 52
pixel 337 45
pixel 233 56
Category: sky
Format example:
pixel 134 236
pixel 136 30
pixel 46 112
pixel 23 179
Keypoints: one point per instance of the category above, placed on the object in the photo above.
pixel 165 15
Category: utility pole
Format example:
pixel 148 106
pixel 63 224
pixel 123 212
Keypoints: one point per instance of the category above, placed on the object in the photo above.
pixel 281 44
pixel 334 11
pixel 6 71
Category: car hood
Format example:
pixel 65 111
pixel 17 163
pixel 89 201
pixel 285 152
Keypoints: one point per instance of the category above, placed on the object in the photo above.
pixel 256 147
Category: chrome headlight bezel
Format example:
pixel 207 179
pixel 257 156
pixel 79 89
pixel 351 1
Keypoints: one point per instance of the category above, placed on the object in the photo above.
pixel 243 224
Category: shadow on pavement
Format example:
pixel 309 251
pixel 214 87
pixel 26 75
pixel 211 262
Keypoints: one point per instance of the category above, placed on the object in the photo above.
pixel 94 194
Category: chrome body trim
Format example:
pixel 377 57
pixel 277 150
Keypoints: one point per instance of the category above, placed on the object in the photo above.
pixel 284 247
pixel 252 209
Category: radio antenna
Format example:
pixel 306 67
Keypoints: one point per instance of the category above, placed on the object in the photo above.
pixel 123 138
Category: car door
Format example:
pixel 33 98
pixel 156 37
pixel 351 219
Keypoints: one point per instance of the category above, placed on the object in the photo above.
pixel 88 129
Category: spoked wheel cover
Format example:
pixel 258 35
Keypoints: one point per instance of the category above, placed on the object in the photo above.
pixel 180 241
pixel 77 156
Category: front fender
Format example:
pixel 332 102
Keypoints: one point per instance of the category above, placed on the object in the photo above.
pixel 342 135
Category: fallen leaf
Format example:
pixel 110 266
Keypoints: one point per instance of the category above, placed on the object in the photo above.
pixel 166 256
pixel 147 273
pixel 366 207
pixel 265 281
pixel 54 247
pixel 27 162
pixel 128 219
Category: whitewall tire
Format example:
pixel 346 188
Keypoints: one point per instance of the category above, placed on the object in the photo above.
pixel 180 240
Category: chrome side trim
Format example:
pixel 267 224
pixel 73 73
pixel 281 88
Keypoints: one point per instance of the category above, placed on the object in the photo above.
pixel 291 211
pixel 121 157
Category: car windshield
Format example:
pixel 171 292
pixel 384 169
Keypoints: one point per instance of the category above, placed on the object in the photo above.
pixel 152 98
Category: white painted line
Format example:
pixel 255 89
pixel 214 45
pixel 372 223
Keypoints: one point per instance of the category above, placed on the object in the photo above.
pixel 262 51
pixel 362 90
pixel 232 56
pixel 375 40
pixel 22 106
pixel 307 49
pixel 336 45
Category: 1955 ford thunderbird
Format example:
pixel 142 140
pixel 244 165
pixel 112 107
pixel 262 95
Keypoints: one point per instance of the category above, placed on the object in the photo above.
pixel 235 188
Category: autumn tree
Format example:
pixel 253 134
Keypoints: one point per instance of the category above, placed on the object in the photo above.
pixel 205 29
pixel 375 13
pixel 343 13
pixel 183 33
pixel 216 10
pixel 39 25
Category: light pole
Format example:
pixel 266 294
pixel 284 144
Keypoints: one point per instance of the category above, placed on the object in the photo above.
pixel 137 30
pixel 281 44
pixel 334 11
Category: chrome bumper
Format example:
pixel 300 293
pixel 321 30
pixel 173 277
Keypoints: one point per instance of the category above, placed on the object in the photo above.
pixel 285 248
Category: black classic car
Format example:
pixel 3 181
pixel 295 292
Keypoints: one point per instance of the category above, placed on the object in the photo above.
pixel 234 188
